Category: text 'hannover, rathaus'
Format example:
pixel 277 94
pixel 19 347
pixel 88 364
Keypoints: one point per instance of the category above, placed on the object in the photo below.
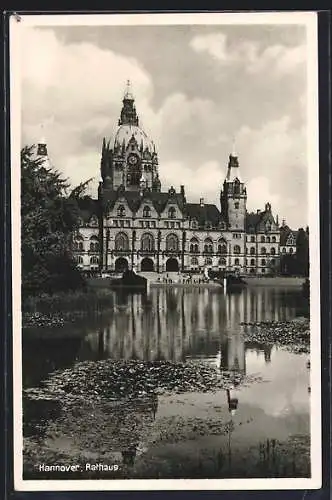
pixel 136 224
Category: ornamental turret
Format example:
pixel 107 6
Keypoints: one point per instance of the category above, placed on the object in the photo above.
pixel 130 154
pixel 233 196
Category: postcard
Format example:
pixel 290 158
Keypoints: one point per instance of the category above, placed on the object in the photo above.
pixel 165 235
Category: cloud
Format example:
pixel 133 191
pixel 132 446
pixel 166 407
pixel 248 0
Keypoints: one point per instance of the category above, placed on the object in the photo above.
pixel 277 58
pixel 80 86
pixel 206 182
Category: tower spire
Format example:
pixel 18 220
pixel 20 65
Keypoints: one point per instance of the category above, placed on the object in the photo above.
pixel 42 146
pixel 128 113
pixel 128 92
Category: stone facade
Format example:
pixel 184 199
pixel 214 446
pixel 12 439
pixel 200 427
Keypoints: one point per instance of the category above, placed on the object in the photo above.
pixel 135 223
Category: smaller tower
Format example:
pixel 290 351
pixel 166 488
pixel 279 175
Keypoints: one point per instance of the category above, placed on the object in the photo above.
pixel 233 197
pixel 128 113
pixel 42 153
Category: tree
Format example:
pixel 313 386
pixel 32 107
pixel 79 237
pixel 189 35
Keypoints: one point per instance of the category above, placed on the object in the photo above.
pixel 48 218
pixel 302 252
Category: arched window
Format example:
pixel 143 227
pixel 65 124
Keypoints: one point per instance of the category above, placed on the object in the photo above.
pixel 236 262
pixel 284 250
pixel 78 243
pixel 121 212
pixel 252 251
pixel 237 249
pixel 94 244
pixel 193 248
pixel 79 259
pixel 274 239
pixel 208 245
pixel 252 239
pixel 147 242
pixel 208 261
pixel 263 251
pixel 237 186
pixel 194 261
pixel 263 239
pixel 172 243
pixel 121 242
pixel 273 251
pixel 222 262
pixel 252 262
pixel 273 262
pixel 291 250
pixel 236 205
pixel 268 240
pixel 194 224
pixel 252 271
pixel 171 213
pixel 263 262
pixel 94 260
pixel 94 221
pixel 222 246
pixel 146 211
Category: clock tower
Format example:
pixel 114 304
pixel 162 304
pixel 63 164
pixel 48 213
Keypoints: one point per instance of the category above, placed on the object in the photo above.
pixel 131 155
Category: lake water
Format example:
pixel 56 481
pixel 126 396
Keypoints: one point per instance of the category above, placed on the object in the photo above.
pixel 191 435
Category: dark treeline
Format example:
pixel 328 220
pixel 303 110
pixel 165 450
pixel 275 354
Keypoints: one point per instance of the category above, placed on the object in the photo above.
pixel 49 215
pixel 297 264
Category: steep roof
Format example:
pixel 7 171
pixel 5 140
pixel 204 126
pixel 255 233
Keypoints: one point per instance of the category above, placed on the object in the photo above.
pixel 134 199
pixel 88 207
pixel 285 231
pixel 203 213
pixel 255 221
pixel 252 221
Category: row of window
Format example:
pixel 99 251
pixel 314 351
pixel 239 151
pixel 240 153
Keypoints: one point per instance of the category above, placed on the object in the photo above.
pixel 194 261
pixel 290 250
pixel 263 239
pixel 222 262
pixel 263 251
pixel 121 242
pixel 79 260
pixel 171 214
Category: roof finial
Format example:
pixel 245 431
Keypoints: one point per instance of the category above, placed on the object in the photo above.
pixel 233 153
pixel 128 92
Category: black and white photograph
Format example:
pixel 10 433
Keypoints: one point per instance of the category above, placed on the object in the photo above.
pixel 165 236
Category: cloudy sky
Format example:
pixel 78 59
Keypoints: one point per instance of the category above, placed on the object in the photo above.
pixel 200 92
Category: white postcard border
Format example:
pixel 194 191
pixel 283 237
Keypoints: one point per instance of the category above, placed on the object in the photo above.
pixel 309 20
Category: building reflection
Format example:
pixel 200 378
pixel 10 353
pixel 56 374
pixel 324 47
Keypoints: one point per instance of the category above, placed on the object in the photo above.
pixel 179 323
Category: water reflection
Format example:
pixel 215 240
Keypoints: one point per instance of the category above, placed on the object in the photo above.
pixel 189 324
pixel 176 324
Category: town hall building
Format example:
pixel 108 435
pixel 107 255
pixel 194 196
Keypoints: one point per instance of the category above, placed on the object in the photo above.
pixel 136 223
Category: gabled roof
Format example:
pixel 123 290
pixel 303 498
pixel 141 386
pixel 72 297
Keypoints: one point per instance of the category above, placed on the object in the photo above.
pixel 87 208
pixel 285 231
pixel 134 199
pixel 203 213
pixel 256 221
pixel 252 221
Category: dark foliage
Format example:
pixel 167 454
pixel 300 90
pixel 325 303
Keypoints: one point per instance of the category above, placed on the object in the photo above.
pixel 48 217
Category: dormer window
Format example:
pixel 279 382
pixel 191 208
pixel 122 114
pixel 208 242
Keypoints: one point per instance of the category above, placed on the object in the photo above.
pixel 93 221
pixel 171 213
pixel 194 224
pixel 121 212
pixel 236 186
pixel 146 211
pixel 208 225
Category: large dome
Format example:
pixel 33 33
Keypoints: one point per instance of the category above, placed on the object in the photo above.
pixel 127 131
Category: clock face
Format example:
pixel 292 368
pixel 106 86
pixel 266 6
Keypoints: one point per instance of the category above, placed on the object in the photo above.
pixel 132 159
